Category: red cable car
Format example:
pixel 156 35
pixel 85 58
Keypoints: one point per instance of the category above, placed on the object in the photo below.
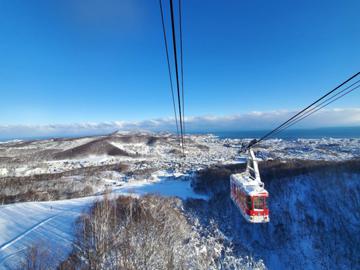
pixel 248 192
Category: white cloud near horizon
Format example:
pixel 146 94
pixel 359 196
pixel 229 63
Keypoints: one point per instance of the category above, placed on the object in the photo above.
pixel 247 121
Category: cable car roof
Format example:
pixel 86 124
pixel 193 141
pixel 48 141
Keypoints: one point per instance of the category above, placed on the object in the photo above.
pixel 250 186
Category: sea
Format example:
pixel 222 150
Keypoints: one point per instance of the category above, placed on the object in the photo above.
pixel 333 132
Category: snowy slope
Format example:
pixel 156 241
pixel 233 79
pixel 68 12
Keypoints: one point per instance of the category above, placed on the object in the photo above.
pixel 25 224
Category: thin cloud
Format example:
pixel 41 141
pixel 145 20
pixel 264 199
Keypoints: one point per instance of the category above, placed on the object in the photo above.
pixel 247 121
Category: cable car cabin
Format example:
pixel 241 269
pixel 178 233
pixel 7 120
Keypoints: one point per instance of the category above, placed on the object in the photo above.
pixel 250 198
pixel 248 193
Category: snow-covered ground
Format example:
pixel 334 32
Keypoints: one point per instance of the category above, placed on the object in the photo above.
pixel 154 150
pixel 312 149
pixel 37 223
pixel 51 222
pixel 157 151
pixel 154 165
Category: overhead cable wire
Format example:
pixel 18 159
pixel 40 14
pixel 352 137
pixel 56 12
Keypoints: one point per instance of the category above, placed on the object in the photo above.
pixel 309 113
pixel 177 72
pixel 317 107
pixel 304 111
pixel 169 68
pixel 296 119
pixel 182 66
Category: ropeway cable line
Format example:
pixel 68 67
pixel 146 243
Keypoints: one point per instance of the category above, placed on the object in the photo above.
pixel 320 106
pixel 179 87
pixel 169 68
pixel 312 108
pixel 176 71
pixel 182 66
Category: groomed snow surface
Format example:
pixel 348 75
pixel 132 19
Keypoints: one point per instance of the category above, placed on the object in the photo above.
pixel 51 223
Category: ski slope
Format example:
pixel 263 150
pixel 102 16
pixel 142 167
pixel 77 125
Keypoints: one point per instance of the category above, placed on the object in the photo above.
pixel 51 223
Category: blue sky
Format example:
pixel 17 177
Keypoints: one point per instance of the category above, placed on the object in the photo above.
pixel 76 61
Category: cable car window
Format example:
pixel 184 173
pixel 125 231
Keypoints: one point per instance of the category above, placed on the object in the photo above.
pixel 265 202
pixel 248 203
pixel 258 202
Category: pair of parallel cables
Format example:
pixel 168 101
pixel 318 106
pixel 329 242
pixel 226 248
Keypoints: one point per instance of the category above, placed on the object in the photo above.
pixel 180 123
pixel 343 89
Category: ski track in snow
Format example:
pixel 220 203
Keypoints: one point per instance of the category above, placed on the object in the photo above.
pixel 26 228
pixel 9 243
